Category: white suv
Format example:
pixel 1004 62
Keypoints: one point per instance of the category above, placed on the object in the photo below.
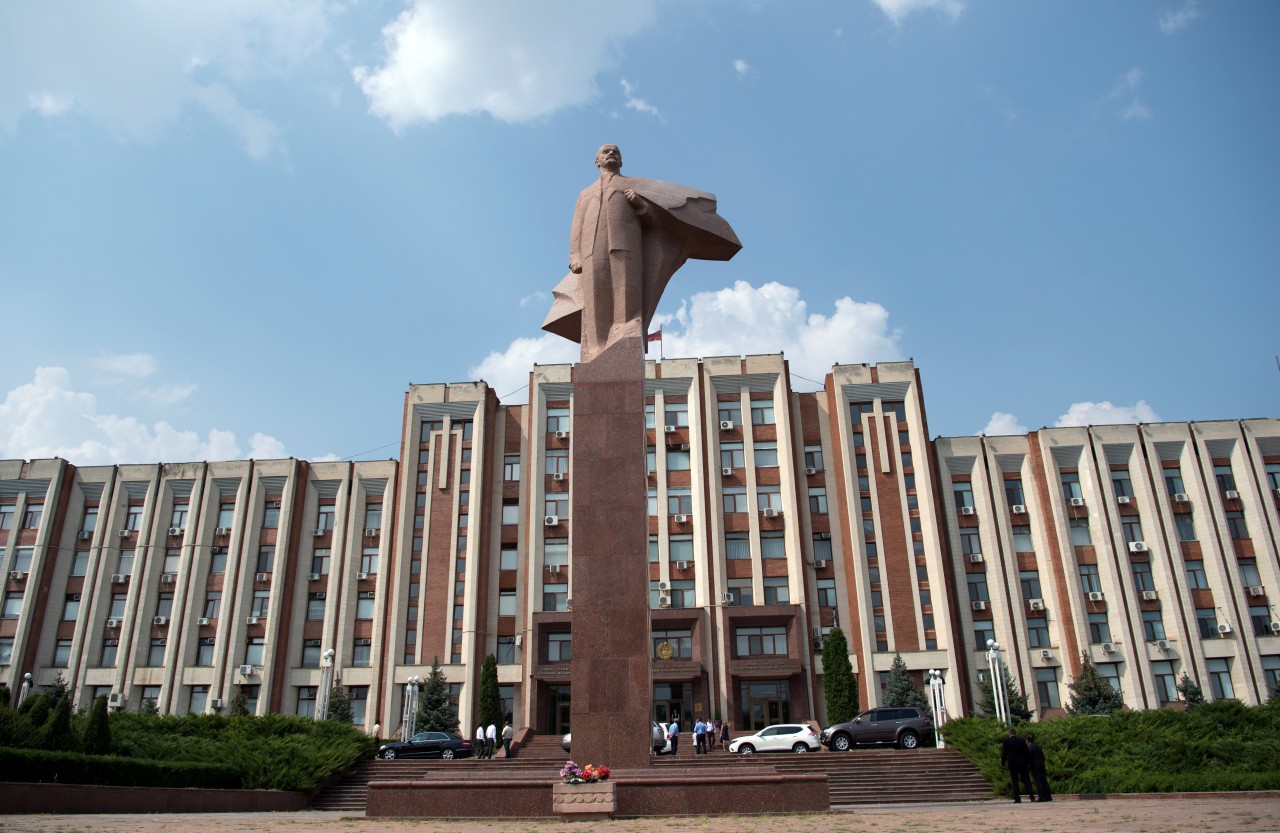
pixel 784 737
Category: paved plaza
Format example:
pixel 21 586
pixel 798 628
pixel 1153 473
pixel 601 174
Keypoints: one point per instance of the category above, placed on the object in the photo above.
pixel 1225 814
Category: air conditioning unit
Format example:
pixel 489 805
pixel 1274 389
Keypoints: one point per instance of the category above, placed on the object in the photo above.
pixel 246 670
pixel 822 536
pixel 551 520
pixel 216 703
pixel 1046 654
pixel 175 530
pixel 1123 499
pixel 682 565
pixel 113 623
pixel 1224 628
pixel 1077 501
pixel 251 620
pixel 1275 627
pixel 1231 494
pixel 726 598
pixel 313 576
pixel 663 587
pixel 562 435
pixel 1137 546
pixel 966 510
pixel 17 575
pixel 168 578
pixel 810 470
pixel 202 621
pixel 1180 497
pixel 978 605
pixel 726 425
pixel 262 577
pixel 222 530
pixel 119 578
pixel 771 512
pixel 668 429
pixel 125 533
pixel 371 532
pixel 1108 647
pixel 681 519
pixel 84 535
pixel 1277 492
pixel 726 471
pixel 817 643
pixel 559 477
pixel 1257 590
pixel 362 576
pixel 819 563
pixel 1162 644
pixel 160 620
pixel 316 533
pixel 519 640
pixel 975 558
pixel 1095 596
pixel 664 601
pixel 553 568
pixel 115 699
pixel 1036 604
pixel 1018 509
pixel 1150 595
pixel 684 446
pixel 318 595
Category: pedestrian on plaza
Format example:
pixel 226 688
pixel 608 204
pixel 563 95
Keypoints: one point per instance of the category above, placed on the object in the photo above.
pixel 724 736
pixel 1035 760
pixel 1013 754
pixel 673 732
pixel 490 740
pixel 506 739
pixel 480 742
pixel 699 737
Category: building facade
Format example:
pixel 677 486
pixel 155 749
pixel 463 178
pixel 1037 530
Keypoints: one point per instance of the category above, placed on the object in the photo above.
pixel 773 516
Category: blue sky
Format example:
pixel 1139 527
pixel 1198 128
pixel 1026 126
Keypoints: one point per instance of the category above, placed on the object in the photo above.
pixel 242 228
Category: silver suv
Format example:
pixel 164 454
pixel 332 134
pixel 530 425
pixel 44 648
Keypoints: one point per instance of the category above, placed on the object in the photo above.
pixel 903 726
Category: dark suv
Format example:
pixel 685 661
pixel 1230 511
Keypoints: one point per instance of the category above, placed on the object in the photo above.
pixel 903 726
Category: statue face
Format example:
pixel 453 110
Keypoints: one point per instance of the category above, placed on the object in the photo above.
pixel 609 157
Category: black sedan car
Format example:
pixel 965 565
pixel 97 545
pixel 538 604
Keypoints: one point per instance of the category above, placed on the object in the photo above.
pixel 428 745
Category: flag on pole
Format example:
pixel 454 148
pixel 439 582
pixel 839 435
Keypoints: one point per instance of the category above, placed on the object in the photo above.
pixel 656 335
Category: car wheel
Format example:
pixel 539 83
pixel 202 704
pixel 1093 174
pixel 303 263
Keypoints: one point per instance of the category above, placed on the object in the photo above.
pixel 747 749
pixel 388 754
pixel 841 743
pixel 447 754
pixel 909 740
pixel 800 748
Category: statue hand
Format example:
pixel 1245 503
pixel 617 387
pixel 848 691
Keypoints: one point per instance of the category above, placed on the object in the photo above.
pixel 574 266
pixel 633 198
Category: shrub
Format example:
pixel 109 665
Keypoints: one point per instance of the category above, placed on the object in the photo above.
pixel 96 737
pixel 39 766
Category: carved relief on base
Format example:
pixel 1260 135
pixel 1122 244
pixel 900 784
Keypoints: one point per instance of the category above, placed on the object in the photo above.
pixel 581 802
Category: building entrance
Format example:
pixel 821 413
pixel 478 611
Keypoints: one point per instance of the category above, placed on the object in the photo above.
pixel 672 701
pixel 559 718
pixel 764 702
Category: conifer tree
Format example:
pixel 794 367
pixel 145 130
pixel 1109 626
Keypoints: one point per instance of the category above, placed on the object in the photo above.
pixel 1190 690
pixel 5 698
pixel 1019 712
pixel 1091 693
pixel 57 734
pixel 839 685
pixel 239 705
pixel 339 705
pixel 436 711
pixel 490 699
pixel 901 690
pixel 97 729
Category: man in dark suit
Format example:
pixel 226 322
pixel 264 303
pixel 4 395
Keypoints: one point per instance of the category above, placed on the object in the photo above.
pixel 1013 754
pixel 1035 760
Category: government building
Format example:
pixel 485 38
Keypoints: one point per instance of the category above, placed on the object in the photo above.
pixel 773 516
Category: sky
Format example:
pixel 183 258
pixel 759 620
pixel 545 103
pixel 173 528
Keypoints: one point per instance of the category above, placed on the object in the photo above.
pixel 241 228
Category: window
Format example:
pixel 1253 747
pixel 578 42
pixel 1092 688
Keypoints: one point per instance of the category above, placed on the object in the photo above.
pixel 1186 525
pixel 681 642
pixel 682 594
pixel 736 546
pixel 1080 535
pixel 970 542
pixel 373 516
pixel 204 652
pixel 776 591
pixel 178 519
pixel 682 548
pixel 226 514
pixel 1173 481
pixel 71 607
pixel 80 563
pixel 1121 483
pixel 1071 486
pixel 508 557
pixel 1220 678
pixel 735 499
pixel 311 653
pixel 1047 688
pixel 557 420
pixel 1261 619
pixel 1022 539
pixel 1270 671
pixel 677 459
pixel 164 605
pixel 364 604
pixel 654 550
pixel 31 518
pixel 555 596
pixel 818 500
pixel 1142 579
pixel 826 592
pixel 732 456
pixel 730 412
pixel 977 587
pixel 559 647
pixel 822 546
pixel 218 563
pixel 107 659
pixel 769 497
pixel 963 494
pixel 510 514
pixel 766 455
pixel 359 696
pixel 155 656
pixel 556 504
pixel 511 467
pixel 648 415
pixel 61 653
pixel 89 522
pixel 1166 685
pixel 762 412
pixel 1236 526
pixel 982 632
pixel 1249 572
pixel 1152 625
pixel 1196 579
pixel 253 648
pixel 212 601
pixel 772 545
pixel 1273 477
pixel 1226 480
pixel 198 700
pixel 1013 493
pixel 6 516
pixel 266 558
pixel 507 603
pixel 271 515
pixel 324 517
pixel 1131 528
pixel 1038 633
pixel 557 461
pixel 679 501
pixel 124 566
pixel 761 641
pixel 12 605
pixel 369 560
pixel 1089 580
pixel 740 589
pixel 362 653
pixel 813 457
pixel 320 562
pixel 315 607
pixel 1099 630
pixel 117 606
pixel 677 414
pixel 506 650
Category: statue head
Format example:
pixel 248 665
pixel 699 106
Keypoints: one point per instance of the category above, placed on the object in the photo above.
pixel 609 157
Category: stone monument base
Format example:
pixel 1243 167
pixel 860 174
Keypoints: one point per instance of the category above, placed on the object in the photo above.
pixel 667 791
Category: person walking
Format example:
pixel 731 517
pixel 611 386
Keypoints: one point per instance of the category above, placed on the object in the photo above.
pixel 1013 754
pixel 699 737
pixel 1035 761
pixel 480 742
pixel 490 740
pixel 673 732
pixel 506 739
pixel 724 736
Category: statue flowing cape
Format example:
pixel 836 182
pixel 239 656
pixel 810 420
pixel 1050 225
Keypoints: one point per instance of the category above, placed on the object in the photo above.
pixel 681 223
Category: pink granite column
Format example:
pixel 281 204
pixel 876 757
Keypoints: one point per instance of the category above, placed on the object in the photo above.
pixel 611 687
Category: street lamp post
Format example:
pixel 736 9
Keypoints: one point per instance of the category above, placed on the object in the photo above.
pixel 409 719
pixel 326 683
pixel 995 662
pixel 24 690
pixel 938 701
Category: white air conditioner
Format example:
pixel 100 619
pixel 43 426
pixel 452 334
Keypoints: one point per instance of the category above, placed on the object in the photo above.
pixel 1108 647
pixel 819 563
pixel 84 535
pixel 125 533
pixel 817 643
pixel 978 605
pixel 727 599
pixel 771 512
pixel 313 576
pixel 215 703
pixel 202 621
pixel 362 576
pixel 559 477
pixel 1275 627
pixel 175 530
pixel 664 601
pixel 668 429
pixel 318 532
pixel 681 519
pixel 371 532
pixel 1180 497
pixel 160 620
pixel 966 510
pixel 317 595
pixel 115 699
pixel 1123 499
pixel 1277 492
pixel 1150 595
pixel 262 577
pixel 251 620
pixel 551 520
pixel 222 530
pixel 1077 501
pixel 519 640
pixel 1231 494
pixel 553 568
pixel 726 425
pixel 1018 509
pixel 17 575
pixel 816 631
pixel 1224 628
pixel 1095 596
pixel 663 587
pixel 168 578
pixel 113 623
pixel 726 471
pixel 562 435
pixel 1036 604
pixel 1046 654
pixel 1162 644
pixel 119 578
pixel 975 558
pixel 684 446
pixel 1137 546
pixel 246 670
pixel 810 470
pixel 682 565
pixel 1257 590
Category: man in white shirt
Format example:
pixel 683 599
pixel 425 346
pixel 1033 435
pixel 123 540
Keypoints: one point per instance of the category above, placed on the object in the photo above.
pixel 480 741
pixel 673 732
pixel 490 740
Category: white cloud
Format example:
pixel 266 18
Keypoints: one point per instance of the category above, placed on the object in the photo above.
pixel 1104 413
pixel 742 68
pixel 1136 110
pixel 166 395
pixel 135 66
pixel 1002 424
pixel 265 447
pixel 507 372
pixel 115 367
pixel 259 136
pixel 899 9
pixel 1171 21
pixel 1125 85
pixel 533 298
pixel 49 418
pixel 640 105
pixel 446 57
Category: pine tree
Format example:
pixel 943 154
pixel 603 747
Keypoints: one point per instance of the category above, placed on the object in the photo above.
pixel 149 707
pixel 839 685
pixel 901 690
pixel 97 729
pixel 1018 709
pixel 436 711
pixel 56 734
pixel 1190 690
pixel 1091 693
pixel 5 697
pixel 239 705
pixel 339 705
pixel 490 700
pixel 60 688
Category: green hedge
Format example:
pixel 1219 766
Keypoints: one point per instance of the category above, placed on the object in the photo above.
pixel 41 767
pixel 1221 746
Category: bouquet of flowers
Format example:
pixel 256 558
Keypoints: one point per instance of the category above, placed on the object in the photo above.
pixel 589 774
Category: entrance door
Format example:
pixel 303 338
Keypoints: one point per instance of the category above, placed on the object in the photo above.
pixel 560 716
pixel 669 703
pixel 764 703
